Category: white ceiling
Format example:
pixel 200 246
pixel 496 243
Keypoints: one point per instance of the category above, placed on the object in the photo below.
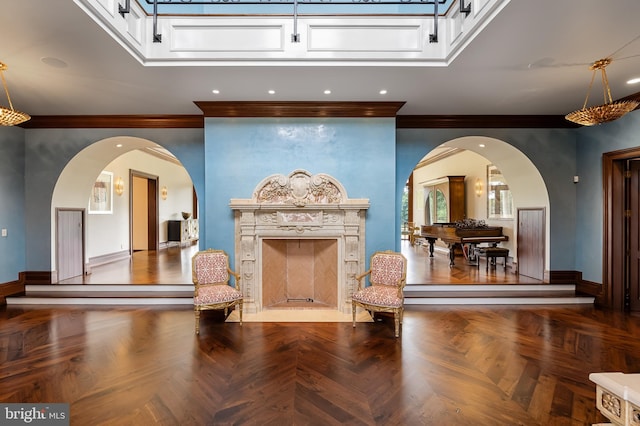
pixel 531 59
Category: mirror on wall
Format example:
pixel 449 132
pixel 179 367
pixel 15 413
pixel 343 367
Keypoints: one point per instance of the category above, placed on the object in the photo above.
pixel 499 199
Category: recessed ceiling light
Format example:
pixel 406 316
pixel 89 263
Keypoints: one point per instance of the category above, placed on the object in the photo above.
pixel 327 92
pixel 215 91
pixel 481 145
pixel 119 145
pixel 383 92
pixel 634 81
pixel 272 92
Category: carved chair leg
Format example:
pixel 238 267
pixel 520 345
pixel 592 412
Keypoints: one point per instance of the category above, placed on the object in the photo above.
pixel 240 308
pixel 197 311
pixel 396 320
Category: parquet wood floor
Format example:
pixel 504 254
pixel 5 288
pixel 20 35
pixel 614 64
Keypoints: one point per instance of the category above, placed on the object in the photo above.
pixel 451 366
pixel 173 266
pixel 422 269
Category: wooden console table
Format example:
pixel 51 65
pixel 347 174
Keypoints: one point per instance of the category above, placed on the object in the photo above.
pixel 183 231
pixel 618 397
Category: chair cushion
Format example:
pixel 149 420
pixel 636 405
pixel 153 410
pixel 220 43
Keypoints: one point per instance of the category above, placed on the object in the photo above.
pixel 212 294
pixel 386 269
pixel 211 268
pixel 379 295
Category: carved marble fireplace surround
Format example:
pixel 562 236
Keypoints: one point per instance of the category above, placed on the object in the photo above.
pixel 299 206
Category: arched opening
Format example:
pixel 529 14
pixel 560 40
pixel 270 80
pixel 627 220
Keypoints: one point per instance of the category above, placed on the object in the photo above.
pixel 501 186
pixel 122 192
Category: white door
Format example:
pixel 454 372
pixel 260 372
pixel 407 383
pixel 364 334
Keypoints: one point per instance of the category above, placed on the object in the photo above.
pixel 70 243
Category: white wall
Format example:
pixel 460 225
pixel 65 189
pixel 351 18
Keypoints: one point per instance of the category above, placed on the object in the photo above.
pixel 467 164
pixel 106 234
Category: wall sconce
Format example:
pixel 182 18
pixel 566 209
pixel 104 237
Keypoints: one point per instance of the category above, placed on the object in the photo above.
pixel 119 185
pixel 478 187
pixel 164 192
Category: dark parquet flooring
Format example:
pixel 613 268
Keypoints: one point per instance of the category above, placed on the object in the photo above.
pixel 173 266
pixel 451 366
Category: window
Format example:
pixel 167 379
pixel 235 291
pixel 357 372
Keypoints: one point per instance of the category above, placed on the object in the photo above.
pixel 499 200
pixel 435 209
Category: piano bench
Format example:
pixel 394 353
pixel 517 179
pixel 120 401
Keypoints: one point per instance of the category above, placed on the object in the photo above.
pixel 492 253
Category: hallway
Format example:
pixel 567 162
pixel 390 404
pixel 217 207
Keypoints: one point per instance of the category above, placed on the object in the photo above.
pixel 173 266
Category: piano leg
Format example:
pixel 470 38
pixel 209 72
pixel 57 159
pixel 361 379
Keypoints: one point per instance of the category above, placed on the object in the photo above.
pixel 431 243
pixel 452 254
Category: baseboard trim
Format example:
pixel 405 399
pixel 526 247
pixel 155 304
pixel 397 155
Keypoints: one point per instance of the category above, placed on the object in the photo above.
pixel 38 277
pixel 108 258
pixel 592 289
pixel 12 288
pixel 564 277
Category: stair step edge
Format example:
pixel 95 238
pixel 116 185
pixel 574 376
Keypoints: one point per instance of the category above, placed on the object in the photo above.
pixel 99 300
pixel 499 300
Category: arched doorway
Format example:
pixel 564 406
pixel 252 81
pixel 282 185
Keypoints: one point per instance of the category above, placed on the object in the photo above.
pixel 472 157
pixel 109 165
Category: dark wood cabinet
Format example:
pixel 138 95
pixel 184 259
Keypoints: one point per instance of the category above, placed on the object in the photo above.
pixel 457 210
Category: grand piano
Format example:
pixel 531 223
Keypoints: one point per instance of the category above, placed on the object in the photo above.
pixel 455 236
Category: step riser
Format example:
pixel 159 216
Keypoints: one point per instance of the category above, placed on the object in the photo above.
pixel 26 300
pixel 408 301
pixel 119 288
pixel 487 287
pixel 499 301
pixel 414 295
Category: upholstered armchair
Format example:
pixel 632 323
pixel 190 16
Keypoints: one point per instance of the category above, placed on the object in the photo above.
pixel 387 276
pixel 211 275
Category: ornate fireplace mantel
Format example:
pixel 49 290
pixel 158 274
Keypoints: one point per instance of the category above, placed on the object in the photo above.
pixel 299 206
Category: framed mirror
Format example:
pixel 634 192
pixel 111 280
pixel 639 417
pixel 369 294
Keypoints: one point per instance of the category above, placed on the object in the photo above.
pixel 101 198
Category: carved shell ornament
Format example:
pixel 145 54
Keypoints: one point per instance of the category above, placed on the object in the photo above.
pixel 300 188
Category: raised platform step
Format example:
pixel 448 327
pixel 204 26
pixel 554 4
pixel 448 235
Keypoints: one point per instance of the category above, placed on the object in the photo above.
pixel 499 294
pixel 104 294
pixel 415 294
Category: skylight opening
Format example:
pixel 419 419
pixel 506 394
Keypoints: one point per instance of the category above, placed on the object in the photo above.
pixel 308 7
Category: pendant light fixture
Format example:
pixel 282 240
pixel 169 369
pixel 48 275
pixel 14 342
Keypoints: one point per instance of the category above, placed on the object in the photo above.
pixel 606 112
pixel 9 116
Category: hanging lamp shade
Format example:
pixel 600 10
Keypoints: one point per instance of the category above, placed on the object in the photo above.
pixel 9 116
pixel 609 111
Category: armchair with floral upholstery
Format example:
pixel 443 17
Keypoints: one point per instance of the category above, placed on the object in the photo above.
pixel 387 276
pixel 211 274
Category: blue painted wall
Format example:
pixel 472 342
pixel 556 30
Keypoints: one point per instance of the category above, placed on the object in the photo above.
pixel 592 143
pixel 358 152
pixel 368 156
pixel 49 150
pixel 12 213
